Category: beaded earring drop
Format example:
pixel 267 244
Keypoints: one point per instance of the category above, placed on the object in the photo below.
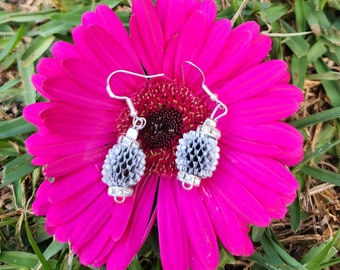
pixel 198 152
pixel 124 163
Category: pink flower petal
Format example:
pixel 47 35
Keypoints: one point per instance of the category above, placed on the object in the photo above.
pixel 65 165
pixel 191 41
pixel 200 231
pixel 50 67
pixel 71 185
pixel 64 211
pixel 55 145
pixel 285 90
pixel 32 113
pixel 216 40
pixel 71 121
pixel 173 240
pixel 239 198
pixel 256 53
pixel 86 50
pixel 236 46
pixel 41 204
pixel 138 228
pixel 276 134
pixel 253 81
pixel 147 36
pixel 114 54
pixel 64 50
pixel 267 171
pixel 247 146
pixel 208 7
pixel 86 98
pixel 226 223
pixel 267 196
pixel 260 109
pixel 173 24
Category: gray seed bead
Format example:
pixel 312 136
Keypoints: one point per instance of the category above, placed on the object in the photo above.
pixel 197 154
pixel 123 166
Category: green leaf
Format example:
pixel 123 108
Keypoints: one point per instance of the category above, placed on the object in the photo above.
pixel 21 17
pixel 9 85
pixel 257 233
pixel 53 27
pixel 35 247
pixel 36 49
pixel 318 259
pixel 318 249
pixel 323 175
pixel 135 265
pixel 274 12
pixel 334 4
pixel 54 248
pixel 15 127
pixel 273 257
pixel 332 88
pixel 297 44
pixel 300 15
pixel 299 69
pixel 17 168
pixel 19 259
pixel 329 76
pixel 318 152
pixel 317 118
pixel 263 261
pixel 14 41
pixel 295 214
pixel 316 50
pixel 7 149
pixel 26 73
pixel 225 257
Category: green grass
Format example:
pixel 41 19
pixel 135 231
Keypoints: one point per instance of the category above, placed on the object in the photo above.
pixel 306 34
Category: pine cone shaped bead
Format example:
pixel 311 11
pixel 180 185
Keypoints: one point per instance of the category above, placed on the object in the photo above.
pixel 197 154
pixel 123 167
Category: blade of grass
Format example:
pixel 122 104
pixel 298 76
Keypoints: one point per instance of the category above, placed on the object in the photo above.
pixel 318 259
pixel 332 88
pixel 17 168
pixel 15 127
pixel 26 73
pixel 297 44
pixel 299 69
pixel 300 15
pixel 35 247
pixel 36 49
pixel 14 41
pixel 329 76
pixel 323 175
pixel 318 152
pixel 317 118
pixel 19 259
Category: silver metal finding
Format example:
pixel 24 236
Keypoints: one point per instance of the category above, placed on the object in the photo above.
pixel 198 152
pixel 124 163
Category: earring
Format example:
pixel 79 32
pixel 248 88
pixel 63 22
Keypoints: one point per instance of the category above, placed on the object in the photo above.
pixel 198 152
pixel 124 163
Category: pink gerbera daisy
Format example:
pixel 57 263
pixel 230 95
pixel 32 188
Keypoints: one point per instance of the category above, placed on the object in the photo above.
pixel 80 123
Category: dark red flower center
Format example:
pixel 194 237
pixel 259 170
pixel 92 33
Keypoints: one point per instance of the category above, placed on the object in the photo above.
pixel 170 109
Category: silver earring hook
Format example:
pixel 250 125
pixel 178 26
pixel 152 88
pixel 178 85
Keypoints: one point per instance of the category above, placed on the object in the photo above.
pixel 220 105
pixel 138 122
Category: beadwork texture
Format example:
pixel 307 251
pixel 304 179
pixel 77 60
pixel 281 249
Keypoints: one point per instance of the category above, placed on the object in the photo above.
pixel 197 154
pixel 123 166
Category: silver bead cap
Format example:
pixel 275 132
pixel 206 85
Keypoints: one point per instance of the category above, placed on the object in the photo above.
pixel 209 128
